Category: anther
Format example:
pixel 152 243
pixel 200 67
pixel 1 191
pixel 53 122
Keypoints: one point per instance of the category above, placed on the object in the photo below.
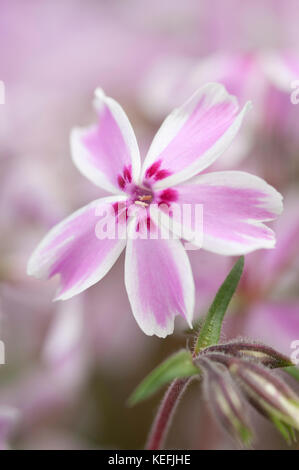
pixel 146 198
pixel 140 203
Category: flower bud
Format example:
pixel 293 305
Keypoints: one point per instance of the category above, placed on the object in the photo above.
pixel 226 401
pixel 267 392
pixel 256 352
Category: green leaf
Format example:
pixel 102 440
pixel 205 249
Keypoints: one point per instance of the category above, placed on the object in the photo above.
pixel 287 432
pixel 246 435
pixel 176 366
pixel 293 371
pixel 211 329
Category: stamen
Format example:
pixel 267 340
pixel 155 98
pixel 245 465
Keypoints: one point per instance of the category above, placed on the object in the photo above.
pixel 146 198
pixel 140 203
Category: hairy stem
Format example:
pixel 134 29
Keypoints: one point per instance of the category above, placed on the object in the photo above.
pixel 165 413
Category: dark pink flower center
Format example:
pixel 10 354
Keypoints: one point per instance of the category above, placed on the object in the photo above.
pixel 156 173
pixel 142 196
pixel 125 178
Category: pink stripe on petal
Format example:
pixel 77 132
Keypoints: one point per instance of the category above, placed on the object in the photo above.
pixel 235 205
pixel 73 250
pixel 107 153
pixel 192 137
pixel 159 283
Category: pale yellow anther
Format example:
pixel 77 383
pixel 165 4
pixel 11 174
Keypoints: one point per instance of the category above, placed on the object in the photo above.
pixel 145 198
pixel 140 203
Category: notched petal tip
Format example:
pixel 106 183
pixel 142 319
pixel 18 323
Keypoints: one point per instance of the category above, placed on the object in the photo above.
pixel 99 93
pixel 215 89
pixel 103 150
pixel 58 297
pixel 100 99
pixel 154 329
pixel 159 283
pixel 30 271
pixel 36 267
pixel 208 121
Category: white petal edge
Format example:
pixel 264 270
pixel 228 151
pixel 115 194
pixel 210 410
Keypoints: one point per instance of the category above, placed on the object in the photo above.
pixel 175 121
pixel 33 266
pixel 150 327
pixel 215 245
pixel 80 153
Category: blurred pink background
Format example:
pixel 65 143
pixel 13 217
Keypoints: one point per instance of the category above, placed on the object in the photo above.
pixel 70 366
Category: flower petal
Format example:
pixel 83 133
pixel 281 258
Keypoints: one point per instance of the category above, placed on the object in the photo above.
pixel 193 136
pixel 274 265
pixel 107 153
pixel 234 206
pixel 73 250
pixel 159 283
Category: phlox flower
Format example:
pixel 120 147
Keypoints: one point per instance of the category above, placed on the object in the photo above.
pixel 158 276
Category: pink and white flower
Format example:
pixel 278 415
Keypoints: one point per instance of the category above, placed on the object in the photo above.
pixel 158 275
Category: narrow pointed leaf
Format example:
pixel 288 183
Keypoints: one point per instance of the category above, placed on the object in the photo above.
pixel 177 366
pixel 211 329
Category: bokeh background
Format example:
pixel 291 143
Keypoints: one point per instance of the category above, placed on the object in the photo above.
pixel 70 366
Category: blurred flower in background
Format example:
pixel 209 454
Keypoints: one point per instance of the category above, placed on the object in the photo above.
pixel 71 366
pixel 8 417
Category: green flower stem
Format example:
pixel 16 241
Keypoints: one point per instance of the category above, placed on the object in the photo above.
pixel 165 413
pixel 208 335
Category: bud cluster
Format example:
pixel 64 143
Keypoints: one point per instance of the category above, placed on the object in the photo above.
pixel 238 374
